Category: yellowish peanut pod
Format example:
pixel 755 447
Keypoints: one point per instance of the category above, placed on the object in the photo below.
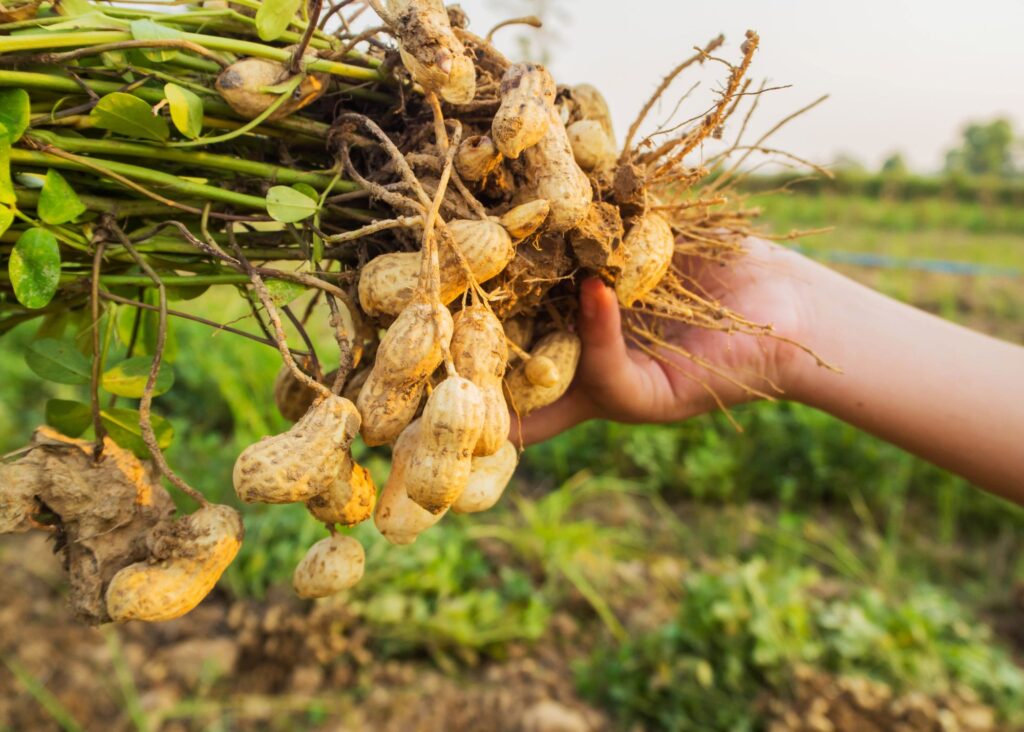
pixel 430 50
pixel 186 562
pixel 349 500
pixel 388 283
pixel 527 107
pixel 552 173
pixel 407 355
pixel 643 258
pixel 591 104
pixel 591 146
pixel 242 83
pixel 563 350
pixel 488 479
pixel 330 566
pixel 398 518
pixel 541 371
pixel 303 462
pixel 480 354
pixel 442 457
pixel 476 158
pixel 525 219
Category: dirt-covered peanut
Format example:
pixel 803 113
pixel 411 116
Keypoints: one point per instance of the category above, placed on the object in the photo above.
pixel 524 219
pixel 12 12
pixel 389 282
pixel 591 146
pixel 541 371
pixel 187 557
pixel 398 518
pixel 476 158
pixel 480 354
pixel 442 457
pixel 408 353
pixel 643 258
pixel 430 50
pixel 560 348
pixel 303 462
pixel 488 479
pixel 552 173
pixel 349 500
pixel 242 85
pixel 330 566
pixel 527 108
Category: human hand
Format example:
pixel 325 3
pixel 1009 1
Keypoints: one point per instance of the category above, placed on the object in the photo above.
pixel 627 383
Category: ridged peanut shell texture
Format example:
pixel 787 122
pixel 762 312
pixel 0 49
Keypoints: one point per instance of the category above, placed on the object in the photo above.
pixel 560 349
pixel 488 479
pixel 330 566
pixel 643 258
pixel 591 146
pixel 442 457
pixel 191 557
pixel 527 107
pixel 389 282
pixel 241 85
pixel 398 518
pixel 303 462
pixel 480 354
pixel 349 500
pixel 431 52
pixel 552 173
pixel 407 355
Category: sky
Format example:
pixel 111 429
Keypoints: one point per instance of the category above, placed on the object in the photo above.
pixel 902 75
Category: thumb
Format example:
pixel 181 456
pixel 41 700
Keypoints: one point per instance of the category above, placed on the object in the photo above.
pixel 600 327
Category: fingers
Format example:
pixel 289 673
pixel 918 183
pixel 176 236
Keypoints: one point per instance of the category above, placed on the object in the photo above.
pixel 551 420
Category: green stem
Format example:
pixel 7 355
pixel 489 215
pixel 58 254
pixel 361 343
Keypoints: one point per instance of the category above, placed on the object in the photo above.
pixel 144 175
pixel 49 41
pixel 213 161
pixel 119 208
pixel 144 281
pixel 49 82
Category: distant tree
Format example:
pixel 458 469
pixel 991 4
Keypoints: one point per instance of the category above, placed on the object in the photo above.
pixel 894 165
pixel 987 148
pixel 847 163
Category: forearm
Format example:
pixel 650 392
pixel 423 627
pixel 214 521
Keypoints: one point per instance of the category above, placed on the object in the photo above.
pixel 945 393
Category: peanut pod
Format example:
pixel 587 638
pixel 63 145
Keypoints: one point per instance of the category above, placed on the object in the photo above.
pixel 303 462
pixel 398 518
pixel 560 349
pixel 430 50
pixel 242 85
pixel 442 457
pixel 186 561
pixel 552 173
pixel 643 258
pixel 524 219
pixel 480 354
pixel 591 146
pixel 330 566
pixel 407 355
pixel 488 479
pixel 350 498
pixel 527 108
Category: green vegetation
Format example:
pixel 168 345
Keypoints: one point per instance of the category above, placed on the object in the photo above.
pixel 701 564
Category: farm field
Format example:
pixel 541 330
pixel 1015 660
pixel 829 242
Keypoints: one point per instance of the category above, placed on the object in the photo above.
pixel 671 577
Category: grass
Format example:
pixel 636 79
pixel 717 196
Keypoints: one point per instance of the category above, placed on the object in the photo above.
pixel 759 520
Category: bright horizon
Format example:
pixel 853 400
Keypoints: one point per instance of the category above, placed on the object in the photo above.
pixel 898 81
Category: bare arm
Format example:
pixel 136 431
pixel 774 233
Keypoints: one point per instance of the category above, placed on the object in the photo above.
pixel 943 392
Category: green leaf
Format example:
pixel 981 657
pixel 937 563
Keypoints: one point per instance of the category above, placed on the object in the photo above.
pixel 128 378
pixel 288 205
pixel 147 30
pixel 283 292
pixel 68 417
pixel 58 360
pixel 6 184
pixel 129 116
pixel 14 111
pixel 186 110
pixel 58 202
pixel 34 268
pixel 123 427
pixel 274 17
pixel 72 8
pixel 6 219
pixel 307 190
